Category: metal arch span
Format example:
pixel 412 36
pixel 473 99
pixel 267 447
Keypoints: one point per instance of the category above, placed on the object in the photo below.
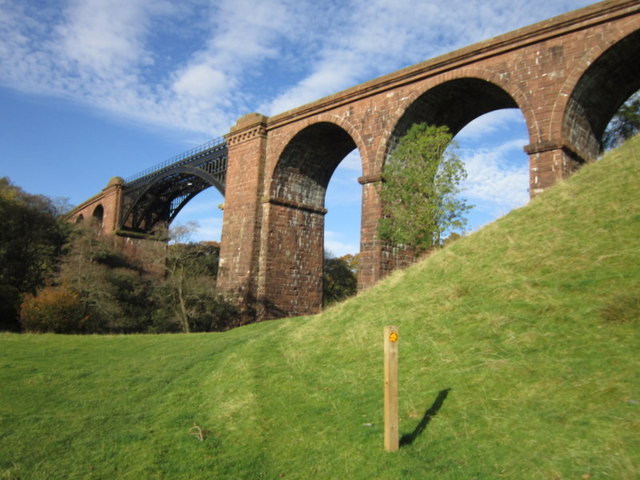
pixel 155 196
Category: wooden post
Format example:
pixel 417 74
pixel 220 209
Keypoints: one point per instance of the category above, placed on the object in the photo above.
pixel 391 429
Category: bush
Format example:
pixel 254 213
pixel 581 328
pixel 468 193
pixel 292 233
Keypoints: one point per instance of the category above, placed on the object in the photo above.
pixel 192 304
pixel 30 241
pixel 9 303
pixel 339 279
pixel 55 310
pixel 131 296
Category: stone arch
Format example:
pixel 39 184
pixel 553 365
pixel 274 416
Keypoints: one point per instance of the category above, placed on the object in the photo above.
pixel 294 216
pixel 339 121
pixel 605 83
pixel 98 215
pixel 80 218
pixel 307 162
pixel 454 103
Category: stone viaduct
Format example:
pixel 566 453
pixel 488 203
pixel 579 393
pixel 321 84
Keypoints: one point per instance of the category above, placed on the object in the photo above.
pixel 567 75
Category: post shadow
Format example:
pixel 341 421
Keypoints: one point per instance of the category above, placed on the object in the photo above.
pixel 409 438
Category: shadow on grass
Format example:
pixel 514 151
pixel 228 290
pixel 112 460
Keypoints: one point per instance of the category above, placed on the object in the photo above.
pixel 409 438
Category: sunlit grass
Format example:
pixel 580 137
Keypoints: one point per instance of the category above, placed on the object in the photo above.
pixel 519 349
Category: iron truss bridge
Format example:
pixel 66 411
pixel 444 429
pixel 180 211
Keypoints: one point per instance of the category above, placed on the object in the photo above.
pixel 155 196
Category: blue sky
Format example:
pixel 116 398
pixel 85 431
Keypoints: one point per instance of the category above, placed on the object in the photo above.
pixel 91 89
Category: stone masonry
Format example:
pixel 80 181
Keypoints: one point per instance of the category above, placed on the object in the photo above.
pixel 567 76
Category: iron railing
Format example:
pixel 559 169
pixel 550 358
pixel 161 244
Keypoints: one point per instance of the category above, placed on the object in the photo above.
pixel 179 160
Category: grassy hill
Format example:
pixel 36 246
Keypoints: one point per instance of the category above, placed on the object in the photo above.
pixel 519 359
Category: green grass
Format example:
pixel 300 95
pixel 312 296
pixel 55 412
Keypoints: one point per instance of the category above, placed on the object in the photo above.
pixel 520 341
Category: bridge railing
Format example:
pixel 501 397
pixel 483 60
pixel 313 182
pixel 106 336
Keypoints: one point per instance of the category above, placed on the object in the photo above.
pixel 178 160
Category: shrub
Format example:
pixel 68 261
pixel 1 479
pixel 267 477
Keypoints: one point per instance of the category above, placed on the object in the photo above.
pixel 54 309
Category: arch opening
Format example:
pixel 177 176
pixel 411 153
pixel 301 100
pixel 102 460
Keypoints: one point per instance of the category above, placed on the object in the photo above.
pixel 153 207
pixel 298 198
pixel 602 89
pixel 308 162
pixel 490 131
pixel 492 148
pixel 98 216
pixel 624 124
pixel 454 104
pixel 202 216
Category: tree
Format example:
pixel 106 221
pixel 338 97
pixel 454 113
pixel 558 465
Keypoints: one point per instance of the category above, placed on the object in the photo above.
pixel 188 294
pixel 31 237
pixel 114 291
pixel 55 310
pixel 420 190
pixel 625 123
pixel 340 279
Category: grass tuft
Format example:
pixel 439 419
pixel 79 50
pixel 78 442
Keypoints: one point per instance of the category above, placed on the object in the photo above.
pixel 622 308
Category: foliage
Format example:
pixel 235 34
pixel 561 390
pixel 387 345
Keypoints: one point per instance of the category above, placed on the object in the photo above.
pixel 92 282
pixel 164 290
pixel 115 292
pixel 340 279
pixel 31 237
pixel 625 123
pixel 192 304
pixel 189 291
pixel 352 261
pixel 195 258
pixel 420 188
pixel 54 310
pixel 132 292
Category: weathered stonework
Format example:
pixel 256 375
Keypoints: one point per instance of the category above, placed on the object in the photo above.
pixel 103 209
pixel 551 71
pixel 567 76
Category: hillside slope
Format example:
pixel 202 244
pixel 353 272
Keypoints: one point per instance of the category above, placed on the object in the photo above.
pixel 518 359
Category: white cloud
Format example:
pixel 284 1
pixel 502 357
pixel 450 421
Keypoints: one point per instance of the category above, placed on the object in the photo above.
pixel 200 81
pixel 336 246
pixel 374 37
pixel 112 55
pixel 494 182
pixel 197 65
pixel 327 79
pixel 104 35
pixel 490 123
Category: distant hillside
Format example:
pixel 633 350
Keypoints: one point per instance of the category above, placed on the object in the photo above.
pixel 518 359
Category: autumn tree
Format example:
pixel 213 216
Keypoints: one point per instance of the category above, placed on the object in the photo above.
pixel 420 188
pixel 31 236
pixel 115 292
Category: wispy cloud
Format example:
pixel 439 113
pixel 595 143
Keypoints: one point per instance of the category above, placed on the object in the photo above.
pixel 489 124
pixel 101 38
pixel 337 246
pixel 495 183
pixel 196 65
pixel 374 37
pixel 109 55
